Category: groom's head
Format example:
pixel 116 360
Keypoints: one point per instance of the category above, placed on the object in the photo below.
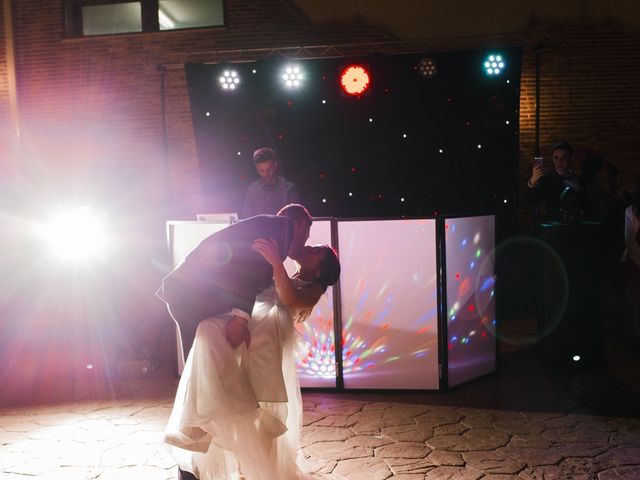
pixel 301 220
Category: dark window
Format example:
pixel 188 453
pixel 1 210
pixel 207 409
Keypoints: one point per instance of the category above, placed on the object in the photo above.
pixel 107 17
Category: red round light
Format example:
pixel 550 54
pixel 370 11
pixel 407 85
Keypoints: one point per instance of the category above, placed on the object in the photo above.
pixel 354 80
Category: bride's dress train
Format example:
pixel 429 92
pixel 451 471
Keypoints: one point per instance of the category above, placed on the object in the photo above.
pixel 238 413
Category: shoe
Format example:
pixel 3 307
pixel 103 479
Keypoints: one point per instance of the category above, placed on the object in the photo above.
pixel 184 475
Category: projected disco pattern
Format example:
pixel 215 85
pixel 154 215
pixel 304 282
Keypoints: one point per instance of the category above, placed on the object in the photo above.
pixel 389 335
pixel 389 313
pixel 315 352
pixel 470 297
pixel 316 355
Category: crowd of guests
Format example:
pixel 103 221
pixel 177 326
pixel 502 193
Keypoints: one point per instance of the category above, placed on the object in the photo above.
pixel 596 194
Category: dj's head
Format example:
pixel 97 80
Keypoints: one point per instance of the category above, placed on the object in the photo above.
pixel 264 159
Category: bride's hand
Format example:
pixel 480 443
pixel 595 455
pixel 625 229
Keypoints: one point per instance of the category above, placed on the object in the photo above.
pixel 268 249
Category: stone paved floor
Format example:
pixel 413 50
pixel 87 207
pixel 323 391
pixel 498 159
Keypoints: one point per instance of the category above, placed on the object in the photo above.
pixel 519 423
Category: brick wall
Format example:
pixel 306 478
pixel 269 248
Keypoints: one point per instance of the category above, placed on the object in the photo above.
pixel 7 166
pixel 589 95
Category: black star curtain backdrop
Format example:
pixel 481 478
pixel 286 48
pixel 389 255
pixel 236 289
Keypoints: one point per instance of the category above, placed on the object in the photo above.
pixel 414 143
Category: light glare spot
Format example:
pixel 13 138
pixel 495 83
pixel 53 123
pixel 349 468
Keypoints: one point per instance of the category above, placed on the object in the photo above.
pixel 75 235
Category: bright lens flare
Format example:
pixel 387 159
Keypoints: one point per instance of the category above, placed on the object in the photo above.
pixel 75 235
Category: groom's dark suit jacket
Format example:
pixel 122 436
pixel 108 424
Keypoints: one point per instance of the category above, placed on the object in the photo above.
pixel 222 273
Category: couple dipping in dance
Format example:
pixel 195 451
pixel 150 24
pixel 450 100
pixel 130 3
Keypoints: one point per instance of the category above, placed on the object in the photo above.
pixel 238 409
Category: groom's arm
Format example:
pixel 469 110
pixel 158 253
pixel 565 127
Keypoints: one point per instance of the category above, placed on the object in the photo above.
pixel 251 272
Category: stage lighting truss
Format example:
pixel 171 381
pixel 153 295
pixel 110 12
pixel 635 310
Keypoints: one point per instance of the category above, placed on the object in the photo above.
pixel 494 64
pixel 292 76
pixel 355 80
pixel 427 67
pixel 229 80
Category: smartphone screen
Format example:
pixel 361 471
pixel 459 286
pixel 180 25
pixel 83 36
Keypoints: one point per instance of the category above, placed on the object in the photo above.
pixel 538 161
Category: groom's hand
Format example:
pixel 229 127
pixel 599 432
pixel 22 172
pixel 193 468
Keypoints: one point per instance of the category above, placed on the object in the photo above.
pixel 237 331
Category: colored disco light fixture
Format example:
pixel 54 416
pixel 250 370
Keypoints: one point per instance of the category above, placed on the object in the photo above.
pixel 427 67
pixel 354 80
pixel 494 65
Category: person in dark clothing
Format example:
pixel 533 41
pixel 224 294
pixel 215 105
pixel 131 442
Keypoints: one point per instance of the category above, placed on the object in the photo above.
pixel 271 191
pixel 557 194
pixel 223 274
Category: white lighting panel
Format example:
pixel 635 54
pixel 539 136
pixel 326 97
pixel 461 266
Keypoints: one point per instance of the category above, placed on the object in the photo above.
pixel 471 343
pixel 389 304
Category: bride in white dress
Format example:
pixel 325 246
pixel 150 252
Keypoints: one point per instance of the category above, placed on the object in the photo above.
pixel 238 412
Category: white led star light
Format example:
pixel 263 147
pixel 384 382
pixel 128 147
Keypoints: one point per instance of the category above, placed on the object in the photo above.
pixel 292 76
pixel 494 64
pixel 229 80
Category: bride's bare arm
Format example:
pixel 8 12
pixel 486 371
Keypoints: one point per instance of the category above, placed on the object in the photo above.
pixel 305 296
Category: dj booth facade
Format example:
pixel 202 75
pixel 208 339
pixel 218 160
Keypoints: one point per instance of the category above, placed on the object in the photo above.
pixel 414 307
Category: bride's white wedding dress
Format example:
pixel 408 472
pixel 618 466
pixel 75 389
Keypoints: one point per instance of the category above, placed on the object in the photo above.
pixel 239 412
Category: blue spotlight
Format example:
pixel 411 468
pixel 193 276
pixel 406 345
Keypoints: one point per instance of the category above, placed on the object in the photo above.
pixel 494 64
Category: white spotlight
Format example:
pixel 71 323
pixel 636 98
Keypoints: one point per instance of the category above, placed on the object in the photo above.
pixel 229 80
pixel 75 235
pixel 292 76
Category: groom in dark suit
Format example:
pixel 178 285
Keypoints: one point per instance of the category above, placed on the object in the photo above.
pixel 223 275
